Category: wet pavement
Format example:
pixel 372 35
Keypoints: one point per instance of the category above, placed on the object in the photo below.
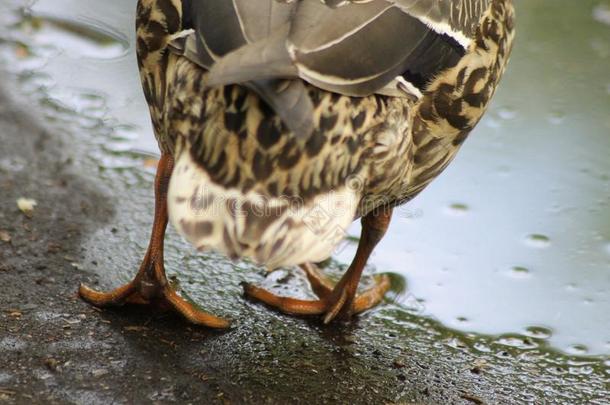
pixel 495 308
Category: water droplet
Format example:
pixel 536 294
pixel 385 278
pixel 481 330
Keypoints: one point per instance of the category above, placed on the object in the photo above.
pixel 517 342
pixel 538 332
pixel 578 350
pixel 556 370
pixel 482 347
pixel 586 370
pixel 607 248
pixel 556 117
pixel 520 272
pixel 538 241
pixel 457 209
pixel 507 113
pixel 455 343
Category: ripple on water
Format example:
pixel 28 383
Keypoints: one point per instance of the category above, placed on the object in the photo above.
pixel 518 342
pixel 93 40
pixel 556 117
pixel 482 347
pixel 584 370
pixel 538 332
pixel 577 350
pixel 507 113
pixel 537 240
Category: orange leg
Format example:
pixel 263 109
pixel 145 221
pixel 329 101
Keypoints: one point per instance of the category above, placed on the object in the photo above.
pixel 340 301
pixel 150 285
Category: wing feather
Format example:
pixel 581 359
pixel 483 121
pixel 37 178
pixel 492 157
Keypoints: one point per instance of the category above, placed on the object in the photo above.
pixel 353 47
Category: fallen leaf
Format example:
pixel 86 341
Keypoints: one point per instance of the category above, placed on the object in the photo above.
pixel 27 205
pixel 5 237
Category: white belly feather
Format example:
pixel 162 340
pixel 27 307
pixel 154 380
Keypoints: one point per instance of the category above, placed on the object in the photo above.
pixel 271 231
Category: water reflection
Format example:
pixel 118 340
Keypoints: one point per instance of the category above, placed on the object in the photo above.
pixel 513 240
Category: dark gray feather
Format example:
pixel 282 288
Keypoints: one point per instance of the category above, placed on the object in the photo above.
pixel 350 47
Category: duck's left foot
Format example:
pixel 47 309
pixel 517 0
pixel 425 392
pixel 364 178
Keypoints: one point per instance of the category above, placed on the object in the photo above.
pixel 150 286
pixel 333 303
pixel 158 294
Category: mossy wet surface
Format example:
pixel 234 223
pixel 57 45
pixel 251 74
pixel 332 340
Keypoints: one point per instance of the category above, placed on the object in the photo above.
pixel 92 224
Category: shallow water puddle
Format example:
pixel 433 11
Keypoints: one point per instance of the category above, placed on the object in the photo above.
pixel 512 240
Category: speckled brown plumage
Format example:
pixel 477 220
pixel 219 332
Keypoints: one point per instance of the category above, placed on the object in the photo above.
pixel 396 146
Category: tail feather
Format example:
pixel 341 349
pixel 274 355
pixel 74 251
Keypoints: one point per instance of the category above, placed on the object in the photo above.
pixel 272 231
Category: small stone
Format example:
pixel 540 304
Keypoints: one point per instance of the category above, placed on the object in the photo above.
pixel 51 364
pixel 398 364
pixel 100 372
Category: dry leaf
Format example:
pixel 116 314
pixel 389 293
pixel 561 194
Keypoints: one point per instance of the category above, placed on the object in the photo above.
pixel 5 237
pixel 27 205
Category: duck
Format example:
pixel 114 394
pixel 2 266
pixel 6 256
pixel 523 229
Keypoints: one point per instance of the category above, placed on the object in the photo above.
pixel 280 122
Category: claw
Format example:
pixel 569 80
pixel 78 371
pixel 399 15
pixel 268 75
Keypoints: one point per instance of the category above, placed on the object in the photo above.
pixel 168 298
pixel 330 307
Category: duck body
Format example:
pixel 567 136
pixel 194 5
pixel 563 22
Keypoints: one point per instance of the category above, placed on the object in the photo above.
pixel 366 149
pixel 286 120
